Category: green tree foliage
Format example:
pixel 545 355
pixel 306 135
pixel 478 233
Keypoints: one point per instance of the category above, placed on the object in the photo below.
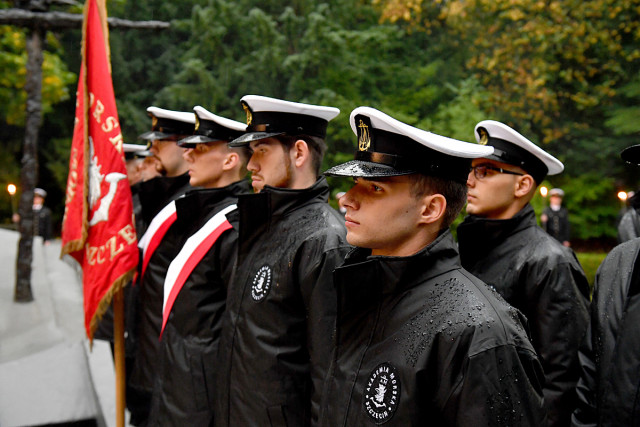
pixel 144 62
pixel 564 73
pixel 333 53
pixel 13 58
pixel 57 87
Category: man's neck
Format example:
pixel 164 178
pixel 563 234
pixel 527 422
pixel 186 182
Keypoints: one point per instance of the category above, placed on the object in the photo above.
pixel 303 181
pixel 177 173
pixel 224 181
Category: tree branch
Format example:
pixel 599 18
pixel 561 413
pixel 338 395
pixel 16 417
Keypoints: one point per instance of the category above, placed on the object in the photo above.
pixel 62 20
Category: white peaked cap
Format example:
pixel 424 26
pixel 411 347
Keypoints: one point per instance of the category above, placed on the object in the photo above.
pixel 180 116
pixel 389 147
pixel 210 127
pixel 512 148
pixel 269 117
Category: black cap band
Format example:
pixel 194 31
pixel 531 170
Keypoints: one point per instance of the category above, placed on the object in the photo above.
pixel 289 123
pixel 173 127
pixel 215 131
pixel 406 156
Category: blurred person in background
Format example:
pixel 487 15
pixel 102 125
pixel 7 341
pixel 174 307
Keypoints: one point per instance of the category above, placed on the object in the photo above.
pixel 555 217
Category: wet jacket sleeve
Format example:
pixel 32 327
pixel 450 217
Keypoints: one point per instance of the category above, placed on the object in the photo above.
pixel 585 413
pixel 317 260
pixel 499 386
pixel 558 317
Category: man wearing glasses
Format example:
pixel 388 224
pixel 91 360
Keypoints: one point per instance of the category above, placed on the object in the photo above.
pixel 501 243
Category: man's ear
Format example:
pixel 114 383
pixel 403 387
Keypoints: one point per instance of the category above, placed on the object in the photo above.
pixel 434 206
pixel 299 153
pixel 230 161
pixel 524 185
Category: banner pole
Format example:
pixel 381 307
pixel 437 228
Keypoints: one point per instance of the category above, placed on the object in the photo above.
pixel 118 354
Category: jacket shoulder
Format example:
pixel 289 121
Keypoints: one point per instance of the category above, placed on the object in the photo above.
pixel 483 313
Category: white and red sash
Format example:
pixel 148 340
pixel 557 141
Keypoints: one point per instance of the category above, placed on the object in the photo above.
pixel 194 249
pixel 157 229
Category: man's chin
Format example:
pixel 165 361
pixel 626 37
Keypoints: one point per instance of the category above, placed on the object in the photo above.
pixel 472 209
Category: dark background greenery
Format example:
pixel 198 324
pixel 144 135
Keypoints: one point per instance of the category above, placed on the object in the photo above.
pixel 564 73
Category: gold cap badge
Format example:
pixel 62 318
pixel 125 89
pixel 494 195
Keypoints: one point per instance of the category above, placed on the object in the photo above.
pixel 484 136
pixel 246 109
pixel 197 122
pixel 364 139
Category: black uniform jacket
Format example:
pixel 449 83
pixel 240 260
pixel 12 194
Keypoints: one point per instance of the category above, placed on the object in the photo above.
pixel 154 195
pixel 42 223
pixel 280 315
pixel 421 342
pixel 183 390
pixel 557 224
pixel 544 280
pixel 609 387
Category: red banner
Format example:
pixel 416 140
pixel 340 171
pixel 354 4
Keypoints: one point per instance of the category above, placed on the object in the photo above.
pixel 97 228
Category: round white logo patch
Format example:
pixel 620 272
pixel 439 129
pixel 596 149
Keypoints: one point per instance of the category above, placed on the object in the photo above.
pixel 382 393
pixel 261 283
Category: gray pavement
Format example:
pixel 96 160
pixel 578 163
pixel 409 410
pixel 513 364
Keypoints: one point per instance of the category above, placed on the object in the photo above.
pixel 47 373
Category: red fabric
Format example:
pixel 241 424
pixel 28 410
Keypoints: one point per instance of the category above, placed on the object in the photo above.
pixel 191 263
pixel 98 231
pixel 155 241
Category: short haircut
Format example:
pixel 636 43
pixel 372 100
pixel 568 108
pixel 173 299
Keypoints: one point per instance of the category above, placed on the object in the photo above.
pixel 454 192
pixel 316 145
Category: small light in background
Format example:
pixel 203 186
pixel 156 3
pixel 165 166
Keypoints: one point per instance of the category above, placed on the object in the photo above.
pixel 622 195
pixel 544 191
pixel 11 189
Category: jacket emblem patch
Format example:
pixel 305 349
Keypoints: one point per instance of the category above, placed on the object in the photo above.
pixel 382 393
pixel 261 283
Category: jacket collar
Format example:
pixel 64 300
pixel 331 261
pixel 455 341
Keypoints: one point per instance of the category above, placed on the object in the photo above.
pixel 365 276
pixel 476 234
pixel 156 193
pixel 259 211
pixel 197 204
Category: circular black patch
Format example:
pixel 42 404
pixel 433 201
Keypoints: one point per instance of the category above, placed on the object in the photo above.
pixel 261 283
pixel 382 393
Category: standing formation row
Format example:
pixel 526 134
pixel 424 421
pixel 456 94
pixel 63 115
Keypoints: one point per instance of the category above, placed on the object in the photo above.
pixel 271 308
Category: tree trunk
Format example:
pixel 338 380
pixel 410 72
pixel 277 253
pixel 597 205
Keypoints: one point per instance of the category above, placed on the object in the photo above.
pixel 29 170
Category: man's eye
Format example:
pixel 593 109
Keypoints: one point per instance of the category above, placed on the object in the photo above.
pixel 376 188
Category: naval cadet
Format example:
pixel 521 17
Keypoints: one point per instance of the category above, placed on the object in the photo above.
pixel 420 341
pixel 157 200
pixel 280 316
pixel 501 243
pixel 610 354
pixel 42 222
pixel 195 285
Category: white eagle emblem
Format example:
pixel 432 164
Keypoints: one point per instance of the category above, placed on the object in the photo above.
pixel 95 184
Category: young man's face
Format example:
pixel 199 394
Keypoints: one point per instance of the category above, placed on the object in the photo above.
pixel 169 156
pixel 383 215
pixel 555 200
pixel 493 196
pixel 270 164
pixel 205 163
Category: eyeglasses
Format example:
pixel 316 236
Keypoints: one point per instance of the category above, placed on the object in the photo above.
pixel 480 171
